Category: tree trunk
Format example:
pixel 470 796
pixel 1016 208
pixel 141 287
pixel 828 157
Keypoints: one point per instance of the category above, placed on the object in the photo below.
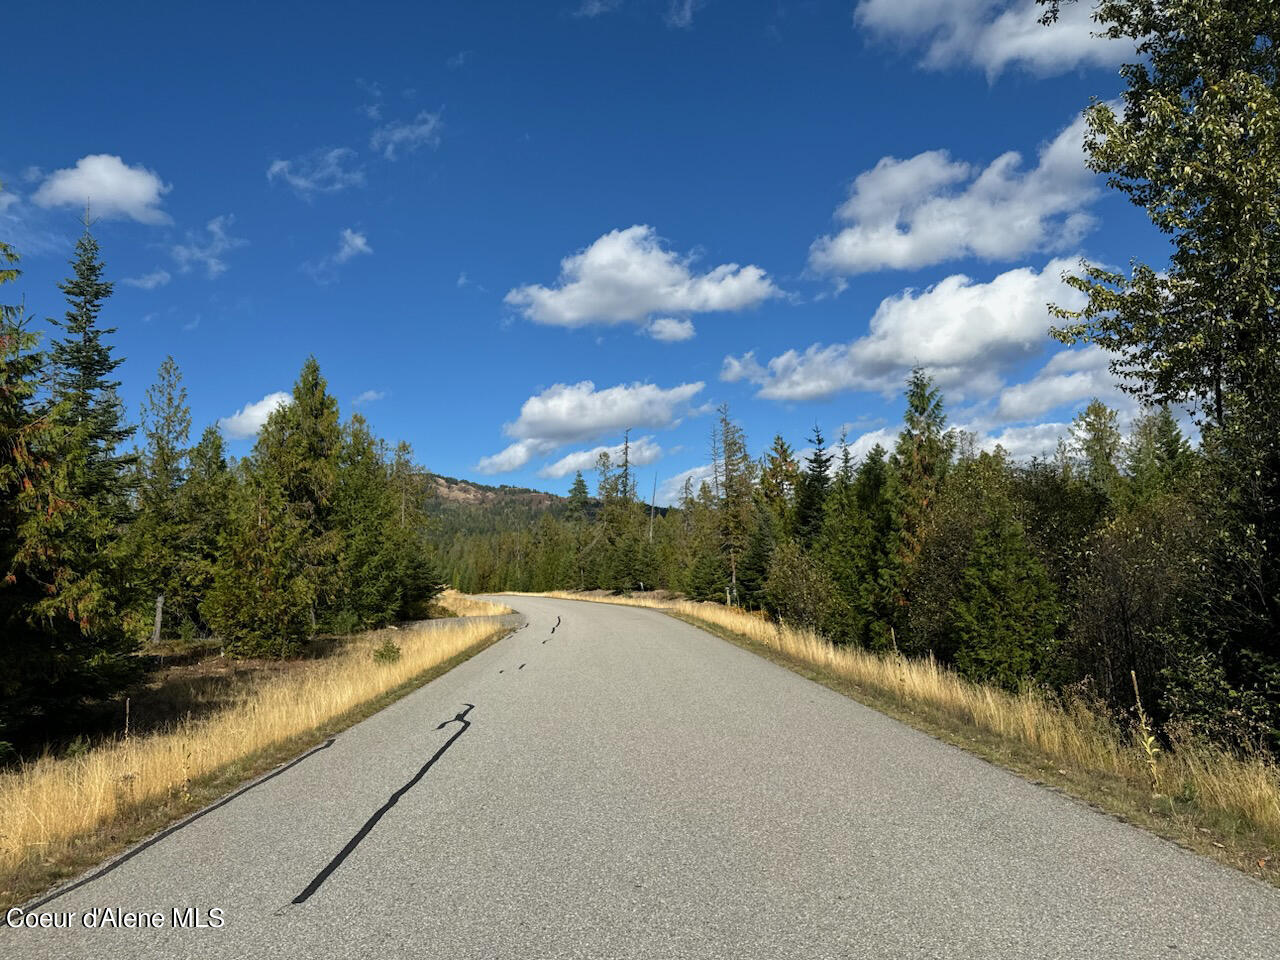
pixel 155 633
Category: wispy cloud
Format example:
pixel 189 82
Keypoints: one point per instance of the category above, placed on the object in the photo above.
pixel 593 8
pixel 149 281
pixel 326 170
pixel 680 13
pixel 368 397
pixel 351 244
pixel 405 136
pixel 208 251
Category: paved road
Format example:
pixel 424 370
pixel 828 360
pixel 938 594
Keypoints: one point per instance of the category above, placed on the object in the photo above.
pixel 628 786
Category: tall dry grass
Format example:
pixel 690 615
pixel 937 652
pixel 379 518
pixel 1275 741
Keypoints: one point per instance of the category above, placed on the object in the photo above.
pixel 1232 789
pixel 49 804
pixel 463 605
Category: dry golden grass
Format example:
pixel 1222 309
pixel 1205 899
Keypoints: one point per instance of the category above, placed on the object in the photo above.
pixel 1234 794
pixel 462 605
pixel 50 805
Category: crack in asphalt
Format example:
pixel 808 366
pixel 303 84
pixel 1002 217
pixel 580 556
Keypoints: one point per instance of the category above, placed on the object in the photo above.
pixel 378 814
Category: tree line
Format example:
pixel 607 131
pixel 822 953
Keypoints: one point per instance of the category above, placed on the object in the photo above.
pixel 1120 554
pixel 114 535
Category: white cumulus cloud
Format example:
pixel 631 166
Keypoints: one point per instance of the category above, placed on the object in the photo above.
pixel 578 413
pixel 626 276
pixel 965 333
pixel 642 451
pixel 248 420
pixel 112 188
pixel 368 397
pixel 1069 376
pixel 670 329
pixel 992 35
pixel 326 170
pixel 904 214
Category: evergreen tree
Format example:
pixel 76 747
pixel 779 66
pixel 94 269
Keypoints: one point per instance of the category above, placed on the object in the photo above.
pixel 980 597
pixel 299 447
pixel 1096 442
pixel 368 514
pixel 1156 456
pixel 79 544
pixel 263 597
pixel 155 538
pixel 811 491
pixel 920 462
pixel 578 498
pixel 779 480
pixel 59 620
pixel 737 507
pixel 204 515
pixel 83 363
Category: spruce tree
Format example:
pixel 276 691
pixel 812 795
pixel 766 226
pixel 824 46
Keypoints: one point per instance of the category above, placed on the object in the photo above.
pixel 368 514
pixel 298 448
pixel 155 538
pixel 59 573
pixel 1096 442
pixel 779 480
pixel 204 515
pixel 811 491
pixel 578 498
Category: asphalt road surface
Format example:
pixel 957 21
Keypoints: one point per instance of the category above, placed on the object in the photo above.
pixel 629 786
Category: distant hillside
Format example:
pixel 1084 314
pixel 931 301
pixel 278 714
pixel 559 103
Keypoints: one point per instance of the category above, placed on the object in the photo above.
pixel 465 507
pixel 452 491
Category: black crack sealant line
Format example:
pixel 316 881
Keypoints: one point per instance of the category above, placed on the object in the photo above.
pixel 553 629
pixel 336 862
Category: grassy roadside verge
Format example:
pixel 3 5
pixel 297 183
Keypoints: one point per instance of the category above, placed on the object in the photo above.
pixel 60 816
pixel 1218 804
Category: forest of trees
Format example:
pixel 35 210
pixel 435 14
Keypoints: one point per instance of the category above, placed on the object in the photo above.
pixel 115 535
pixel 1122 553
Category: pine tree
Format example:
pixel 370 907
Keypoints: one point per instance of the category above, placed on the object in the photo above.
pixel 779 480
pixel 26 484
pixel 263 597
pixel 80 543
pixel 1096 443
pixel 62 633
pixel 299 447
pixel 578 498
pixel 155 538
pixel 368 514
pixel 737 506
pixel 920 462
pixel 204 515
pixel 811 491
pixel 83 363
pixel 1156 456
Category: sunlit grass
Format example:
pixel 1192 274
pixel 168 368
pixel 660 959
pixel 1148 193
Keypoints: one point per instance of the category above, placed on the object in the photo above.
pixel 463 605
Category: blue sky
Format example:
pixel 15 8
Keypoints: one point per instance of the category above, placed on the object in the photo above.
pixel 510 230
